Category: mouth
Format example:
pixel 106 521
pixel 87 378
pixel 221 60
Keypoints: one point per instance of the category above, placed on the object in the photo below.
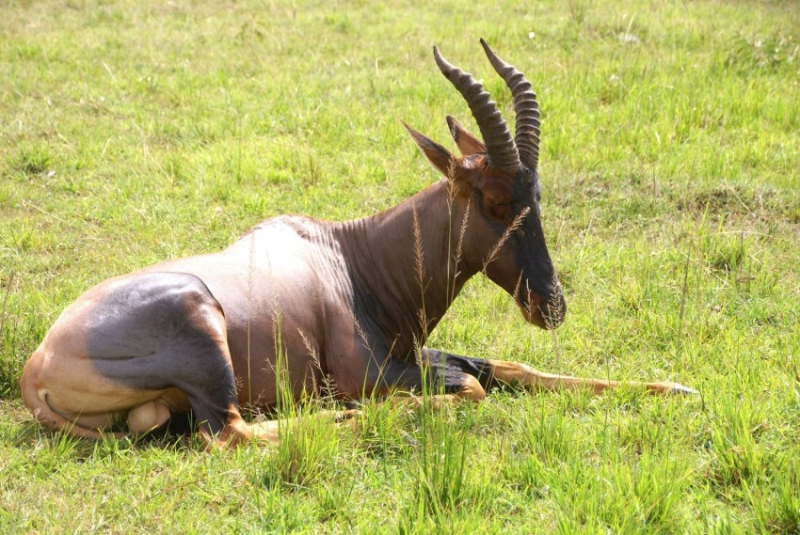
pixel 547 314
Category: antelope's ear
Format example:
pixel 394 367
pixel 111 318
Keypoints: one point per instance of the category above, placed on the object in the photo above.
pixel 439 156
pixel 467 143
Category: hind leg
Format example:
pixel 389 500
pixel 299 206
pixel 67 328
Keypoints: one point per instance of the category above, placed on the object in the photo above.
pixel 138 347
pixel 237 431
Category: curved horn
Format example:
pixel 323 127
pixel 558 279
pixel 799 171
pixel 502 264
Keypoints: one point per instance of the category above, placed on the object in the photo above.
pixel 526 108
pixel 500 148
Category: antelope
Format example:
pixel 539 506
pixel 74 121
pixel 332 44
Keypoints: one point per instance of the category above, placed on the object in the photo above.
pixel 352 303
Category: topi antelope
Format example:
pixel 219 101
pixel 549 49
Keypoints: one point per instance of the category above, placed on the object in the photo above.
pixel 345 302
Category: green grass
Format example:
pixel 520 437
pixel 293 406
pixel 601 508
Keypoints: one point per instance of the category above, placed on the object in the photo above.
pixel 132 132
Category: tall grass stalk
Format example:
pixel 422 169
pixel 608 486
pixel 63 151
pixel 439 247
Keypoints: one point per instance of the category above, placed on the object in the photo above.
pixel 9 285
pixel 307 445
pixel 440 485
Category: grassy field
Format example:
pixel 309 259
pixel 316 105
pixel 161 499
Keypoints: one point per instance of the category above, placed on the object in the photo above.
pixel 131 132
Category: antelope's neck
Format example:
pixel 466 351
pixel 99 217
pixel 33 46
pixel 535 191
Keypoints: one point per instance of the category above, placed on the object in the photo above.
pixel 404 268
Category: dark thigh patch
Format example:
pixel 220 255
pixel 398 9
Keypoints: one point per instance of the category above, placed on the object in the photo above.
pixel 155 331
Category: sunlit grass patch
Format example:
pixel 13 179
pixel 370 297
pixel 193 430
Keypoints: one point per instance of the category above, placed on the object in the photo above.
pixel 308 452
pixel 738 455
pixel 448 490
pixel 134 132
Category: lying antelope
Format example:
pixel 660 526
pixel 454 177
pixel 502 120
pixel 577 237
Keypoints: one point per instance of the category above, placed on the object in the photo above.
pixel 349 301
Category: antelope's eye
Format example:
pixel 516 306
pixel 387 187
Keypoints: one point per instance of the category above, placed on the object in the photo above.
pixel 494 201
pixel 498 210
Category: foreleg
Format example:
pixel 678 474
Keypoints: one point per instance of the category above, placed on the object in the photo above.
pixel 491 373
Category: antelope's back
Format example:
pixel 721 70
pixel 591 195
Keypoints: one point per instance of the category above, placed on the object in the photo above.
pixel 274 287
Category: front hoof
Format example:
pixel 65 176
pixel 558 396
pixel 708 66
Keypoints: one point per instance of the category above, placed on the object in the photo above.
pixel 683 390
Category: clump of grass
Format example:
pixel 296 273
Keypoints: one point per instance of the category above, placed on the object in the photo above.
pixel 31 160
pixel 724 200
pixel 786 512
pixel 543 444
pixel 776 507
pixel 738 457
pixel 441 485
pixel 725 251
pixel 640 497
pixel 578 10
pixel 775 52
pixel 308 447
pixel 51 450
pixel 10 368
pixel 306 454
pixel 382 433
pixel 549 437
pixel 441 482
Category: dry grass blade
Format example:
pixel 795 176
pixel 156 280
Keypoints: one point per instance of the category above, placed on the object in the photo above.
pixel 328 385
pixel 419 255
pixel 517 288
pixel 461 233
pixel 554 314
pixel 250 273
pixel 419 266
pixel 492 256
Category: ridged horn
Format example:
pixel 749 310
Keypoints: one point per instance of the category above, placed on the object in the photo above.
pixel 500 148
pixel 526 108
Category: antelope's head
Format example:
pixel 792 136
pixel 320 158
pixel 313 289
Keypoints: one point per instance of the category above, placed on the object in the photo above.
pixel 495 186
